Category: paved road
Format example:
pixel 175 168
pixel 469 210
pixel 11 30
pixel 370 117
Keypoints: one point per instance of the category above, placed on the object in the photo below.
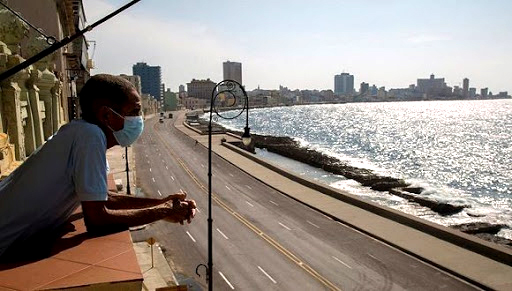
pixel 262 239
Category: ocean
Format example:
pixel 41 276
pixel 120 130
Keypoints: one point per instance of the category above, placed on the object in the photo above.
pixel 459 151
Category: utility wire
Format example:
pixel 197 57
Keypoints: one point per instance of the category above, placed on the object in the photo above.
pixel 57 45
pixel 49 39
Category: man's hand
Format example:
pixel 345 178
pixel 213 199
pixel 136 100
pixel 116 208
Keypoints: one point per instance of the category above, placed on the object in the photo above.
pixel 180 209
pixel 180 196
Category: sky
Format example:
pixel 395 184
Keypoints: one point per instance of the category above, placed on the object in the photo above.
pixel 302 44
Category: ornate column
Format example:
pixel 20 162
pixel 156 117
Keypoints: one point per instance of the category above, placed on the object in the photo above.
pixel 41 97
pixel 56 109
pixel 11 105
pixel 12 31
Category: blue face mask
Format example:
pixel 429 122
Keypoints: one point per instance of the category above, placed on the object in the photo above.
pixel 132 129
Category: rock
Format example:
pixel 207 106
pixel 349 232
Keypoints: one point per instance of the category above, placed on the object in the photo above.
pixel 479 227
pixel 414 190
pixel 495 239
pixel 475 214
pixel 386 186
pixel 442 208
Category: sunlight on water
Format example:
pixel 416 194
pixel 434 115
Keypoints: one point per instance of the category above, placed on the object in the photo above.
pixel 460 151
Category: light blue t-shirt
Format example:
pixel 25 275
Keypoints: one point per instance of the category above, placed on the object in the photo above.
pixel 43 192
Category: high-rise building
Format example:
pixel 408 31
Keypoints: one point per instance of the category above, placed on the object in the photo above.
pixel 465 87
pixel 151 79
pixel 472 92
pixel 232 71
pixel 364 88
pixel 344 84
pixel 484 92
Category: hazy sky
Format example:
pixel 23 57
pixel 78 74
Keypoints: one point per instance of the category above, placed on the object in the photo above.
pixel 303 44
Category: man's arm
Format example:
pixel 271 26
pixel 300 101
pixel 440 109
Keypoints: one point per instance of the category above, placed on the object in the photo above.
pixel 120 201
pixel 100 218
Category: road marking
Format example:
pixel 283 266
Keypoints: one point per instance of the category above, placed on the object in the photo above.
pixel 313 224
pixel 249 203
pixel 284 226
pixel 274 203
pixel 228 188
pixel 146 156
pixel 249 187
pixel 150 170
pixel 148 162
pixel 172 178
pixel 163 161
pixel 271 241
pixel 222 234
pixel 341 262
pixel 197 209
pixel 202 165
pixel 374 257
pixel 159 192
pixel 225 279
pixel 159 154
pixel 231 175
pixel 268 276
pixel 166 168
pixel 191 237
pixel 153 178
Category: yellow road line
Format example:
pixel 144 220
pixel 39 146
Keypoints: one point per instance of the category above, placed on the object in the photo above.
pixel 249 225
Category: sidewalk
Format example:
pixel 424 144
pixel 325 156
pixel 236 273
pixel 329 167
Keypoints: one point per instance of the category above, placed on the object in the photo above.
pixel 159 274
pixel 369 218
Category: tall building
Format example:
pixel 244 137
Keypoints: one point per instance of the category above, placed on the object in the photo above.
pixel 433 87
pixel 232 71
pixel 344 84
pixel 472 92
pixel 364 88
pixel 201 89
pixel 135 80
pixel 151 79
pixel 484 92
pixel 465 87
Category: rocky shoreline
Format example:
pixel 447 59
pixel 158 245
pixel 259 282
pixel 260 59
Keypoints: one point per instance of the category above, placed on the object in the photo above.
pixel 288 147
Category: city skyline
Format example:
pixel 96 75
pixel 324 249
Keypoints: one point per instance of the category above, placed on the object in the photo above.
pixel 309 43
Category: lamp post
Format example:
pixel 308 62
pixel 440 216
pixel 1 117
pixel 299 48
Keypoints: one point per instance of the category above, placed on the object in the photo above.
pixel 227 93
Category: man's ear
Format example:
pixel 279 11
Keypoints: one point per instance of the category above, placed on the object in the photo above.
pixel 103 115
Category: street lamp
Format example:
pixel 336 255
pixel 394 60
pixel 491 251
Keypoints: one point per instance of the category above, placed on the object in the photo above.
pixel 226 94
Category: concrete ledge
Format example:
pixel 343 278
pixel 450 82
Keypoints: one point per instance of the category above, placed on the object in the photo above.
pixel 192 128
pixel 487 249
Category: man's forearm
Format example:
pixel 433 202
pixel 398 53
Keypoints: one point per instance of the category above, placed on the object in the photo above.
pixel 105 218
pixel 119 201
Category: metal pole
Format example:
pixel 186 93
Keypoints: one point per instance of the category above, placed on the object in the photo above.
pixel 127 172
pixel 210 220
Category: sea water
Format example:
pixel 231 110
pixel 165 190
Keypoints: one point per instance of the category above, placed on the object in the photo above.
pixel 459 151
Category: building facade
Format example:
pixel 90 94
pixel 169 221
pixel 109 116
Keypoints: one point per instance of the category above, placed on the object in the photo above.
pixel 344 84
pixel 170 100
pixel 465 87
pixel 39 99
pixel 151 79
pixel 201 89
pixel 232 71
pixel 433 87
pixel 135 80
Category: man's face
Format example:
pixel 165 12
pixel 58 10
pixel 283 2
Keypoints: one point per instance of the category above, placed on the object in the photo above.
pixel 115 122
